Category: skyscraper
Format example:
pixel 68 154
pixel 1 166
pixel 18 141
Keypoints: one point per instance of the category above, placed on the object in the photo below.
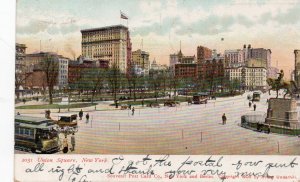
pixel 110 43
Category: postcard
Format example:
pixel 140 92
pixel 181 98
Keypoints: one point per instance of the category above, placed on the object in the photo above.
pixel 162 90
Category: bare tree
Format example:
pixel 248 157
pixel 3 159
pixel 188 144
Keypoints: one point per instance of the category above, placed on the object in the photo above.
pixel 50 67
pixel 20 78
pixel 92 79
pixel 20 72
pixel 114 78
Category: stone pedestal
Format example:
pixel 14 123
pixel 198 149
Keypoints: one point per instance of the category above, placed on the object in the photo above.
pixel 283 112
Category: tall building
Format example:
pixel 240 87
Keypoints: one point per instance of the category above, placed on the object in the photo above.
pixel 297 67
pixel 203 53
pixel 140 59
pixel 210 64
pixel 234 58
pixel 174 59
pixel 249 77
pixel 63 64
pixel 240 57
pixel 110 43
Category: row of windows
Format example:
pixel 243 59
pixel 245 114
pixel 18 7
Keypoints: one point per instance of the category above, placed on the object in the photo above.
pixel 63 77
pixel 249 78
pixel 63 62
pixel 247 70
pixel 103 37
pixel 24 131
pixel 247 73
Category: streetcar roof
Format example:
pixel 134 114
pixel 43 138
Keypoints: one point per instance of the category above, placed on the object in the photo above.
pixel 33 122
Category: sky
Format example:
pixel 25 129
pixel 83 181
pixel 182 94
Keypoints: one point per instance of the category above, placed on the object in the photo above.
pixel 162 24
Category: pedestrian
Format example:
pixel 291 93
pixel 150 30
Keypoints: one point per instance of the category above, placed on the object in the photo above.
pixel 254 107
pixel 224 119
pixel 80 114
pixel 73 142
pixel 65 145
pixel 24 101
pixel 142 103
pixel 269 128
pixel 132 111
pixel 250 104
pixel 129 106
pixel 87 116
pixel 59 110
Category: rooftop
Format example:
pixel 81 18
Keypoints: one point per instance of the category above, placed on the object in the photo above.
pixel 104 28
pixel 31 119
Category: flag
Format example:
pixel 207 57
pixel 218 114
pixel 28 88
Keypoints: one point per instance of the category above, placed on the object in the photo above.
pixel 123 16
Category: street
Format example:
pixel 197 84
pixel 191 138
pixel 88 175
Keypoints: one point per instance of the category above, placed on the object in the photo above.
pixel 185 129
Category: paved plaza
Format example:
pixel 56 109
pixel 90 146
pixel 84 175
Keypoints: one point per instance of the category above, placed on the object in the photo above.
pixel 185 129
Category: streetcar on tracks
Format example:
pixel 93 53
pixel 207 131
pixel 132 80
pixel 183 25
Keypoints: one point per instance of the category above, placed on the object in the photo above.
pixel 256 96
pixel 36 134
pixel 200 98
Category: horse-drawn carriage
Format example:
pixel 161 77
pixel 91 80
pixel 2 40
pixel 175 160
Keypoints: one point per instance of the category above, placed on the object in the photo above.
pixel 67 121
pixel 200 98
pixel 153 104
pixel 124 107
pixel 170 103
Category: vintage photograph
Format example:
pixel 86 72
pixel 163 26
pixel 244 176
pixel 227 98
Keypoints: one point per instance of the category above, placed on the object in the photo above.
pixel 178 77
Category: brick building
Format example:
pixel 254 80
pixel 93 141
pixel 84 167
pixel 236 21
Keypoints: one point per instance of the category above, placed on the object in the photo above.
pixel 209 67
pixel 186 70
pixel 203 53
pixel 76 68
pixel 36 79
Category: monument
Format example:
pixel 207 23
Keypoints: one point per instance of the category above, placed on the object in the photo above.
pixel 283 112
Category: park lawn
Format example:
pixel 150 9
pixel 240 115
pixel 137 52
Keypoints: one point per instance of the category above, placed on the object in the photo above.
pixel 146 102
pixel 56 106
pixel 105 96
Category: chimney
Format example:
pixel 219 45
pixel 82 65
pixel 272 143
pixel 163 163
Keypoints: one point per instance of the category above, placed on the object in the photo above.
pixel 249 46
pixel 244 46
